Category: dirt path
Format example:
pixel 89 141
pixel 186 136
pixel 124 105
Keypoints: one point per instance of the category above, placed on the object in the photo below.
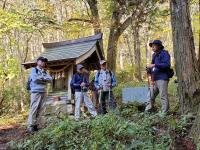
pixel 9 133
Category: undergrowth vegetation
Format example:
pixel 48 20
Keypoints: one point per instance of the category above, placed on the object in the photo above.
pixel 126 128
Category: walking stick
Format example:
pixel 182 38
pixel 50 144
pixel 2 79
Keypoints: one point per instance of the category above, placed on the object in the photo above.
pixel 99 98
pixel 109 98
pixel 149 88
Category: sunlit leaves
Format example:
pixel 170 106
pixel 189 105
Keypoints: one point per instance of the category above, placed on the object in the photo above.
pixel 10 21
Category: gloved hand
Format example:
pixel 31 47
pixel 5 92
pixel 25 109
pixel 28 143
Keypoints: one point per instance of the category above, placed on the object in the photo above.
pixel 100 87
pixel 148 70
pixel 109 85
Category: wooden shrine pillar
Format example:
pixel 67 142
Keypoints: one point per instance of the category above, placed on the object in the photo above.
pixel 70 75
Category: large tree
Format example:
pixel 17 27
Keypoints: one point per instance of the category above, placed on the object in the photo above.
pixel 187 69
pixel 93 14
pixel 124 15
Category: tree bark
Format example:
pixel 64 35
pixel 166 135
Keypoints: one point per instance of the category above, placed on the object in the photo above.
pixel 121 59
pixel 116 29
pixel 199 38
pixel 187 69
pixel 127 41
pixel 112 50
pixel 137 54
pixel 95 16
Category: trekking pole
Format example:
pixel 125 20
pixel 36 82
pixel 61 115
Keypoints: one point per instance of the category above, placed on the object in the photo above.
pixel 99 98
pixel 109 98
pixel 149 86
pixel 152 81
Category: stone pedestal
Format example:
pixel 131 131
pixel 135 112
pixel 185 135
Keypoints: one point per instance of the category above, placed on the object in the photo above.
pixel 56 105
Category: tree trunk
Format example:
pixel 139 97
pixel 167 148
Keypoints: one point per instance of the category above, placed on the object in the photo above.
pixel 95 16
pixel 187 69
pixel 148 52
pixel 199 38
pixel 137 54
pixel 116 29
pixel 121 59
pixel 112 50
pixel 127 41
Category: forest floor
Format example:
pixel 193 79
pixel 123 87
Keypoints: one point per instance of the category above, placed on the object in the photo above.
pixel 11 132
pixel 12 129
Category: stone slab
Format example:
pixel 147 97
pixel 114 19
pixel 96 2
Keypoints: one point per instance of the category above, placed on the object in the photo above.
pixel 134 94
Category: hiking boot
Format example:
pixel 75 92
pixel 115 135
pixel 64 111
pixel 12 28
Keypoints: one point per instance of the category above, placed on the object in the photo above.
pixel 32 129
pixel 35 128
pixel 77 119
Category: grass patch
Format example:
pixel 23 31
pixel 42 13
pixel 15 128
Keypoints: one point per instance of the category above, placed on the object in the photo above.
pixel 15 119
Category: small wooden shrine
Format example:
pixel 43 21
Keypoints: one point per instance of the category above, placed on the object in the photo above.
pixel 62 60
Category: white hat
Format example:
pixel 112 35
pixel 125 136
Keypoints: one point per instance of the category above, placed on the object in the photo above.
pixel 79 67
pixel 102 62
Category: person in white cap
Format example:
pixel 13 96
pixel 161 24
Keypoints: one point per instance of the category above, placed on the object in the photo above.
pixel 105 81
pixel 80 84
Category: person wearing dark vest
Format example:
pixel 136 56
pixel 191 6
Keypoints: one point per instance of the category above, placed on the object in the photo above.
pixel 80 84
pixel 104 82
pixel 158 69
pixel 38 80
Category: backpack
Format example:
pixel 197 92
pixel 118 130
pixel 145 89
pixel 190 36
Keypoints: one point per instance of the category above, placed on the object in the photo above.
pixel 170 72
pixel 28 83
pixel 72 88
pixel 109 73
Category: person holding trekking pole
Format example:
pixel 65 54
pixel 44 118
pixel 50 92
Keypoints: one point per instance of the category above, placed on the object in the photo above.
pixel 105 81
pixel 80 84
pixel 159 72
pixel 36 84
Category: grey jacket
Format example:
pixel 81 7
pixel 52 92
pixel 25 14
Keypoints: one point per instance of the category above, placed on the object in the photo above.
pixel 39 79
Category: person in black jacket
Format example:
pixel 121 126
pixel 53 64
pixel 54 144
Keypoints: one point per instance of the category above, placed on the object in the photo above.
pixel 80 84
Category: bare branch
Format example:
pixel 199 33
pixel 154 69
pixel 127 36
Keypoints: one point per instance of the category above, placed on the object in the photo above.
pixel 124 25
pixel 80 19
pixel 4 4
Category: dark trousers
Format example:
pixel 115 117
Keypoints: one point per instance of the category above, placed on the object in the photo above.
pixel 105 101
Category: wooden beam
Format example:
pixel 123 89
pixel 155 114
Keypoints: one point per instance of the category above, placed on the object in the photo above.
pixel 86 55
pixel 97 51
pixel 70 75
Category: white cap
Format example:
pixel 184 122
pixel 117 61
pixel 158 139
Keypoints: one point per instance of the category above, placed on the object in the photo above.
pixel 102 62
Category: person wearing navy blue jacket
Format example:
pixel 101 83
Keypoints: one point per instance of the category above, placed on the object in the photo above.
pixel 80 83
pixel 158 69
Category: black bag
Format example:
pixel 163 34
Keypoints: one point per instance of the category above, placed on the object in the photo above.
pixel 28 86
pixel 72 88
pixel 170 72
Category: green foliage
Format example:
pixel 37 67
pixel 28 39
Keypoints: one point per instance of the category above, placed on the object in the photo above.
pixel 126 128
pixel 10 21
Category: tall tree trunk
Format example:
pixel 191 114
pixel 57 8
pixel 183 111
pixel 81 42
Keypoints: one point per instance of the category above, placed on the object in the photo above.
pixel 116 29
pixel 137 53
pixel 127 41
pixel 112 50
pixel 148 52
pixel 121 59
pixel 187 69
pixel 95 16
pixel 199 37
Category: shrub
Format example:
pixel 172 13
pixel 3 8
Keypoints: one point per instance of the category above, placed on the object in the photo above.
pixel 112 131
